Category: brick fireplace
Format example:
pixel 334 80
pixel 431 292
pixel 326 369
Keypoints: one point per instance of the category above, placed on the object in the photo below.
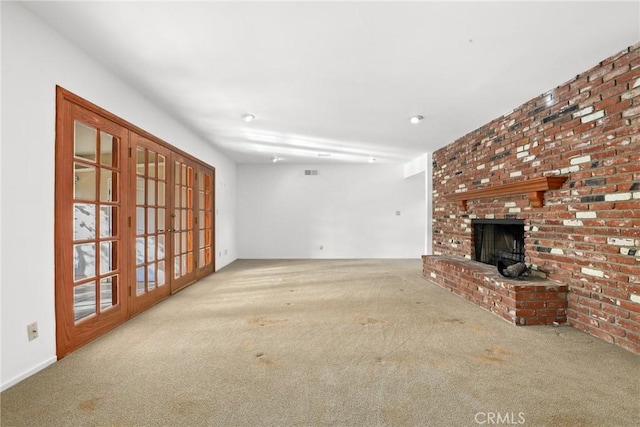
pixel 567 166
pixel 533 300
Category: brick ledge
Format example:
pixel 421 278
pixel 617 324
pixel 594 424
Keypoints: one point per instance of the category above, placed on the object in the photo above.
pixel 535 301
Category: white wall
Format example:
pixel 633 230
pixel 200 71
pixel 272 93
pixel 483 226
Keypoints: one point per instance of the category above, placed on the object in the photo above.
pixel 34 60
pixel 428 190
pixel 423 166
pixel 349 210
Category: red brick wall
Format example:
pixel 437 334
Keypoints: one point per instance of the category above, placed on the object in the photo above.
pixel 587 234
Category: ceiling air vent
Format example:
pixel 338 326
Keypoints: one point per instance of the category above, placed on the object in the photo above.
pixel 311 172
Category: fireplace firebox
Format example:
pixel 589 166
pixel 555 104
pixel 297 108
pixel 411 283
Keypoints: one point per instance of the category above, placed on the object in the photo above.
pixel 498 240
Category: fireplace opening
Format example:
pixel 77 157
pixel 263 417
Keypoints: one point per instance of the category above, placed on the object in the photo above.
pixel 498 240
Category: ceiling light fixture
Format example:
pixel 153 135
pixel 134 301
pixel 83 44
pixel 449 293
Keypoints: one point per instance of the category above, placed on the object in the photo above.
pixel 372 159
pixel 416 119
pixel 276 159
pixel 248 117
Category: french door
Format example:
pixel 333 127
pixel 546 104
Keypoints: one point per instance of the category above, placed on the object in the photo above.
pixel 151 238
pixel 183 223
pixel 204 220
pixel 91 268
pixel 134 221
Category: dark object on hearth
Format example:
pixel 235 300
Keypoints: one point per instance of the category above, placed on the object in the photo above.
pixel 514 271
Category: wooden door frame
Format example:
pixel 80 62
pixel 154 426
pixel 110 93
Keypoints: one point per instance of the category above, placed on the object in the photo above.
pixel 64 102
pixel 69 335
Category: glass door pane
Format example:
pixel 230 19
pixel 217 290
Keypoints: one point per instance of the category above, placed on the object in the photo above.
pixel 95 238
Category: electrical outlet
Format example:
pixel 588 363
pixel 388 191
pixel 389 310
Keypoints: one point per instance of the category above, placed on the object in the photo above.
pixel 32 331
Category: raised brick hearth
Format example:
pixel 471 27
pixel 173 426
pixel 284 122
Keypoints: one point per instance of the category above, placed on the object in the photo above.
pixel 535 301
pixel 566 164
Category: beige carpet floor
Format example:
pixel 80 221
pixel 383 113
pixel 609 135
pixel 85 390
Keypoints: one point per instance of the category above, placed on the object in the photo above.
pixel 330 343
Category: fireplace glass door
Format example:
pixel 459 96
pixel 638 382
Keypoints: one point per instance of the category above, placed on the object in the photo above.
pixel 498 240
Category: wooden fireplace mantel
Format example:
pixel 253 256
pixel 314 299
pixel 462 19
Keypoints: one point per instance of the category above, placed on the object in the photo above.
pixel 534 188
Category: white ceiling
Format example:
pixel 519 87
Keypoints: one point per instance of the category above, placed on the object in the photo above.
pixel 343 78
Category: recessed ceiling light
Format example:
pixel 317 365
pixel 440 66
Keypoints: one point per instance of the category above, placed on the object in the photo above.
pixel 276 159
pixel 248 117
pixel 372 159
pixel 416 119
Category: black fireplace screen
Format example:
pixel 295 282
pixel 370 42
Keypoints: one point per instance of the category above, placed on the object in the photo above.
pixel 498 239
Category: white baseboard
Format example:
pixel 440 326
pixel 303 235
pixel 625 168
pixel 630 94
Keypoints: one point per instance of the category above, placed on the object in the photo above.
pixel 27 374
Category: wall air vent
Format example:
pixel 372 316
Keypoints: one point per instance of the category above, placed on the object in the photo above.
pixel 311 172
